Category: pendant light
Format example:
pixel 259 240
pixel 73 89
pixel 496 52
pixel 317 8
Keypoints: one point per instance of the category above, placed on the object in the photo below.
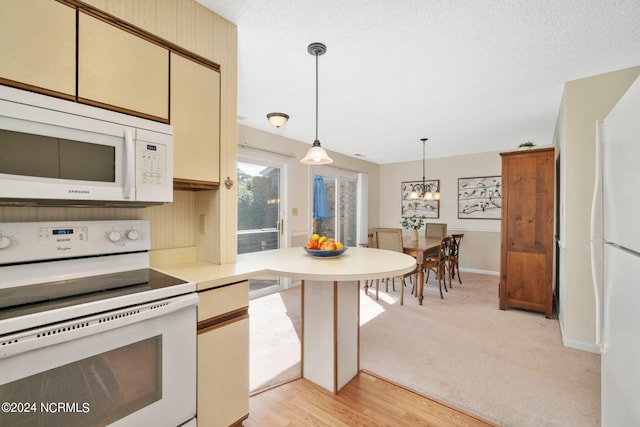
pixel 424 191
pixel 316 154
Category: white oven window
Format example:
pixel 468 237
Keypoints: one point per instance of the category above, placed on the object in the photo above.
pixel 94 391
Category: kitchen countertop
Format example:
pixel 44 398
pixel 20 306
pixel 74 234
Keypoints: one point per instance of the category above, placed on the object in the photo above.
pixel 355 264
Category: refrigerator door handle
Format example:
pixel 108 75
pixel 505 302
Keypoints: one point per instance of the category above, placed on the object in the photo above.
pixel 596 233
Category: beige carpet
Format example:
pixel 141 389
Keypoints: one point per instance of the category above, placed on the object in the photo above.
pixel 506 366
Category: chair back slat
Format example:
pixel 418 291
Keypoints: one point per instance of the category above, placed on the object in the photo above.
pixel 456 240
pixel 433 229
pixel 443 252
pixel 438 263
pixel 388 238
pixel 454 261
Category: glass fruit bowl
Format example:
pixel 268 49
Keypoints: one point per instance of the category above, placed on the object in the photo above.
pixel 325 254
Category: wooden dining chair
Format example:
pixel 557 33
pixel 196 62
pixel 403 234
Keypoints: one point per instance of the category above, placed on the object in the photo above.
pixel 433 229
pixel 371 243
pixel 438 264
pixel 391 239
pixel 454 253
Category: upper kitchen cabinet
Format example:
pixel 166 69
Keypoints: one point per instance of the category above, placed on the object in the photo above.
pixel 38 45
pixel 121 70
pixel 195 116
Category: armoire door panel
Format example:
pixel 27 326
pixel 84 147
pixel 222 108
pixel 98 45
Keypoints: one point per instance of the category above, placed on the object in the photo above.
pixel 526 273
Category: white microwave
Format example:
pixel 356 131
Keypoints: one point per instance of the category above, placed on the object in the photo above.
pixel 59 152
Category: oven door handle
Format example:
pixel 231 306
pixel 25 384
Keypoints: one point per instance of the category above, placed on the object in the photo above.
pixel 20 342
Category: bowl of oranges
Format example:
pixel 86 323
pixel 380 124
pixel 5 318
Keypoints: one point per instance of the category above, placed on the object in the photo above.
pixel 323 247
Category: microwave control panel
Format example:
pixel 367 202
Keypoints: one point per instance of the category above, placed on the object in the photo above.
pixel 152 163
pixel 154 166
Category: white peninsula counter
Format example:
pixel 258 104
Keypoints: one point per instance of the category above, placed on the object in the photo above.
pixel 330 298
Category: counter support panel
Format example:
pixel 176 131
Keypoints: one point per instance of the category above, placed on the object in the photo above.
pixel 331 334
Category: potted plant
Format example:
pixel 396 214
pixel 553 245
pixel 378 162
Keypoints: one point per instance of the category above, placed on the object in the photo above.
pixel 413 223
pixel 526 145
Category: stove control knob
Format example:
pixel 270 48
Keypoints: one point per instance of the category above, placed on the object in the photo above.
pixel 114 236
pixel 5 242
pixel 133 235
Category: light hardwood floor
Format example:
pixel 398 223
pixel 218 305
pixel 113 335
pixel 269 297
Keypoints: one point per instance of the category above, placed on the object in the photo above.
pixel 366 401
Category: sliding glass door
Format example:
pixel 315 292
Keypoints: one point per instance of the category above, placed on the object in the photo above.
pixel 335 204
pixel 261 211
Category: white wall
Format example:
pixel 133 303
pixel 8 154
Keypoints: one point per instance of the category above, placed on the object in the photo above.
pixel 481 245
pixel 584 101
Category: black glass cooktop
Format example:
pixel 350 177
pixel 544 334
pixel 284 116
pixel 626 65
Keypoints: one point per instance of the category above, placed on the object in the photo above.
pixel 24 300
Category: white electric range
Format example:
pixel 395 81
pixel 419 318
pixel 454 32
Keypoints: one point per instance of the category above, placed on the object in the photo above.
pixel 89 333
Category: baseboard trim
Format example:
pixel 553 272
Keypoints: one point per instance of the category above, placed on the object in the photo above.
pixel 579 345
pixel 475 270
pixel 473 230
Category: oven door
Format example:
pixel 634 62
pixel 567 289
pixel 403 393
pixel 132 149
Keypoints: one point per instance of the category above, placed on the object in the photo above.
pixel 130 367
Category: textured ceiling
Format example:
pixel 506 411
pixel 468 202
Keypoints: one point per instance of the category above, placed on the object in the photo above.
pixel 472 75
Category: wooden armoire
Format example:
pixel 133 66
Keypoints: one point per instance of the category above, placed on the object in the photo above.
pixel 527 238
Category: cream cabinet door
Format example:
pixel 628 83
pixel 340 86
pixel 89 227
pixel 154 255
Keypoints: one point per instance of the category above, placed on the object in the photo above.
pixel 38 45
pixel 195 116
pixel 223 374
pixel 120 70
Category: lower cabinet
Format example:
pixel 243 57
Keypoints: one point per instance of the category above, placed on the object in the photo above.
pixel 223 355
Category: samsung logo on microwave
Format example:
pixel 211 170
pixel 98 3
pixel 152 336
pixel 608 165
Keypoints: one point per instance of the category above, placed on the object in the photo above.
pixel 79 191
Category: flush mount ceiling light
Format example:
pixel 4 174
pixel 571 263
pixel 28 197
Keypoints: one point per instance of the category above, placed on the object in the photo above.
pixel 316 154
pixel 425 191
pixel 278 119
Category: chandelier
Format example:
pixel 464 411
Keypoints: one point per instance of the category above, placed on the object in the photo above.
pixel 426 190
pixel 316 154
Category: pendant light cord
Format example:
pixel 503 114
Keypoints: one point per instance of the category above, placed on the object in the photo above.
pixel 316 96
pixel 423 161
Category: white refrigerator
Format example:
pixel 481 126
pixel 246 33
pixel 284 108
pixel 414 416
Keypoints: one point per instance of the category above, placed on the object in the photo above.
pixel 615 242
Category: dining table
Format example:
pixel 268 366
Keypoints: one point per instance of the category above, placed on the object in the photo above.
pixel 419 250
